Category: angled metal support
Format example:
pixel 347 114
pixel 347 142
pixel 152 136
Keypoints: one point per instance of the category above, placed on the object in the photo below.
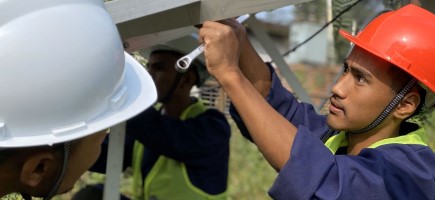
pixel 277 58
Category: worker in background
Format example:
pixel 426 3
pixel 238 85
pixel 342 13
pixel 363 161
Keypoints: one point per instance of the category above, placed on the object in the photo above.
pixel 178 149
pixel 62 73
pixel 364 148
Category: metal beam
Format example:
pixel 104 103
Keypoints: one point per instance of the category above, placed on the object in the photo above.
pixel 127 10
pixel 136 43
pixel 138 18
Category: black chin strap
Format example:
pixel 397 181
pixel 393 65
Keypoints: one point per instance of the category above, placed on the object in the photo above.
pixel 171 90
pixel 26 196
pixel 391 106
pixel 55 188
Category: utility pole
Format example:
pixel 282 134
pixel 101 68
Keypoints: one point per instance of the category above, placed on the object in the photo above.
pixel 330 34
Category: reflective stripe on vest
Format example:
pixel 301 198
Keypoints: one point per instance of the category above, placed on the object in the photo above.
pixel 417 137
pixel 168 178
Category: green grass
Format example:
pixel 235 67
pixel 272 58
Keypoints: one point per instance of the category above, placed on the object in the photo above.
pixel 250 174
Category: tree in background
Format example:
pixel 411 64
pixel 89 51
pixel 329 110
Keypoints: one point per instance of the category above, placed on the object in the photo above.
pixel 429 123
pixel 357 17
pixel 352 21
pixel 313 11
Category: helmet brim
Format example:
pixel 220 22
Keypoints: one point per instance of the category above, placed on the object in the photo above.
pixel 140 94
pixel 360 44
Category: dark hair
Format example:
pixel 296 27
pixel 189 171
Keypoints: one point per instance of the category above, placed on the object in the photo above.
pixel 399 79
pixel 178 55
pixel 174 53
pixel 6 154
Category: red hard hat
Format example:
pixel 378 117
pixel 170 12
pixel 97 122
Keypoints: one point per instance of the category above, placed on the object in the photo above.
pixel 405 38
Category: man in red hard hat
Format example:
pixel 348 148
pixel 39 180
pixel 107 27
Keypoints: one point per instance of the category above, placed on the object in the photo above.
pixel 364 148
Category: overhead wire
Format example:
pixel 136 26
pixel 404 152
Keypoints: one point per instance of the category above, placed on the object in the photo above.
pixel 322 28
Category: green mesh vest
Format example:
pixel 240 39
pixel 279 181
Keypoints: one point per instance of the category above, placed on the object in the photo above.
pixel 168 178
pixel 417 137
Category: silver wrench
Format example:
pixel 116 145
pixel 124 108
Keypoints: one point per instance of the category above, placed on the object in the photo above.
pixel 184 62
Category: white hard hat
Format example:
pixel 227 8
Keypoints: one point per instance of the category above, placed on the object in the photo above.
pixel 63 73
pixel 183 45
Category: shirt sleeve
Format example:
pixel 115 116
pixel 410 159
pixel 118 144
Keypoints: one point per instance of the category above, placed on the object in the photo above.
pixel 284 102
pixel 182 140
pixel 393 171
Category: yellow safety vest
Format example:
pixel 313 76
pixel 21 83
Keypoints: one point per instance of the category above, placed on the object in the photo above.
pixel 417 137
pixel 168 178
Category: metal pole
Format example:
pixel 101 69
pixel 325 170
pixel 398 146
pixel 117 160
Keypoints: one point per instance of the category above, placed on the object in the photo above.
pixel 330 34
pixel 115 156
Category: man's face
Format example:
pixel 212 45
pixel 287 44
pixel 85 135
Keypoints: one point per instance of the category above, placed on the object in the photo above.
pixel 361 93
pixel 161 67
pixel 84 152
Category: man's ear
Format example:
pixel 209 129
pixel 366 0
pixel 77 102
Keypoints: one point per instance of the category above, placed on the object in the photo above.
pixel 408 105
pixel 188 80
pixel 37 168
